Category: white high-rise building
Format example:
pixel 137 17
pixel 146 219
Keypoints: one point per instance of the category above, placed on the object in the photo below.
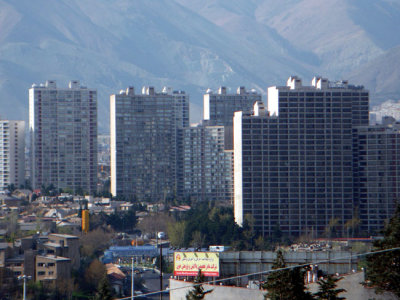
pixel 12 153
pixel 63 129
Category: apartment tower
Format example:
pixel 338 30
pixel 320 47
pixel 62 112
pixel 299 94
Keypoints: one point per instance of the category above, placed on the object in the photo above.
pixel 208 167
pixel 63 131
pixel 12 153
pixel 147 143
pixel 293 161
pixel 219 108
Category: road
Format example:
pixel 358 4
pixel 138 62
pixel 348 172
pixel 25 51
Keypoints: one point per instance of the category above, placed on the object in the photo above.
pixel 152 283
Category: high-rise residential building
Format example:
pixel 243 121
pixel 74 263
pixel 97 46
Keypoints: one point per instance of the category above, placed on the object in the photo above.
pixel 219 108
pixel 376 174
pixel 12 153
pixel 63 129
pixel 293 164
pixel 147 143
pixel 208 168
pixel 208 155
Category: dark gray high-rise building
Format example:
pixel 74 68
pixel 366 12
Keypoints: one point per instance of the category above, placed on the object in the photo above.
pixel 147 142
pixel 63 129
pixel 376 174
pixel 293 164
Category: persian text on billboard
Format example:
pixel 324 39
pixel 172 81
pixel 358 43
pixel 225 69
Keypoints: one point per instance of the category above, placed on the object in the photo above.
pixel 189 263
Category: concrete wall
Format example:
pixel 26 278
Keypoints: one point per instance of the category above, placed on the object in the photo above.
pixel 179 289
pixel 351 283
pixel 246 262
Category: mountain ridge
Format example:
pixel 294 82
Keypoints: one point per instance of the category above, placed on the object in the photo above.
pixel 188 45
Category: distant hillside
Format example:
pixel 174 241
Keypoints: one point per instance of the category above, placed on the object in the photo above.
pixel 189 45
pixel 381 76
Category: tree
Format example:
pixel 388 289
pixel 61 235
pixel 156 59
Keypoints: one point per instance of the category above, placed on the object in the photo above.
pixel 176 233
pixel 285 284
pixel 198 292
pixel 95 273
pixel 94 242
pixel 8 283
pixel 198 239
pixel 330 230
pixel 248 231
pixel 383 269
pixel 103 290
pixel 328 290
pixel 11 187
pixel 154 223
pixel 122 221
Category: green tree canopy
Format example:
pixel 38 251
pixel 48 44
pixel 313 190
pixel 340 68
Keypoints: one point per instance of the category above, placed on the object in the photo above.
pixel 383 269
pixel 328 290
pixel 286 284
pixel 103 290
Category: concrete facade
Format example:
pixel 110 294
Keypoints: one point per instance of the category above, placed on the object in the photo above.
pixel 63 131
pixel 246 262
pixel 293 166
pixel 12 153
pixel 220 107
pixel 147 142
pixel 50 268
pixel 376 174
pixel 351 283
pixel 179 290
pixel 208 167
pixel 68 246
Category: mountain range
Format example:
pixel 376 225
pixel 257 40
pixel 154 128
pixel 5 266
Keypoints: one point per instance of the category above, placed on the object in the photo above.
pixel 193 45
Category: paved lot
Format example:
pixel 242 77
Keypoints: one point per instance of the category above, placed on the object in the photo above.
pixel 152 284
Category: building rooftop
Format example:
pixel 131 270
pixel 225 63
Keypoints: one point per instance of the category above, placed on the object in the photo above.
pixel 66 236
pixel 53 257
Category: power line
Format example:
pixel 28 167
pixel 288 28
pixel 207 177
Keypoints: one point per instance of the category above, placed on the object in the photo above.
pixel 267 271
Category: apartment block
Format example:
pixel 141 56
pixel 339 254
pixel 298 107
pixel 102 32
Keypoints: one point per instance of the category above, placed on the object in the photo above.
pixel 293 160
pixel 63 130
pixel 50 268
pixel 12 153
pixel 208 167
pixel 147 143
pixel 377 174
pixel 219 108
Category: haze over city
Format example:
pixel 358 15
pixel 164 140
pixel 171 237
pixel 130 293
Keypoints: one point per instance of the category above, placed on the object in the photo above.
pixel 199 149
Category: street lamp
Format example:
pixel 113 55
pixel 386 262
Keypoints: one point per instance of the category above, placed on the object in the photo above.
pixel 24 277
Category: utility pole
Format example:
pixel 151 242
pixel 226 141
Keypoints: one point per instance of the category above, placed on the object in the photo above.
pixel 133 281
pixel 161 269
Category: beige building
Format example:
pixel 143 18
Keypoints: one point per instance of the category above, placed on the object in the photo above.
pixel 50 268
pixel 65 245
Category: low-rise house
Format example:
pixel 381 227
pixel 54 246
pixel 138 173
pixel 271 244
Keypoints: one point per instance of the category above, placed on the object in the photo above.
pixel 11 200
pixel 23 194
pixel 49 268
pixel 55 213
pixel 16 264
pixel 116 278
